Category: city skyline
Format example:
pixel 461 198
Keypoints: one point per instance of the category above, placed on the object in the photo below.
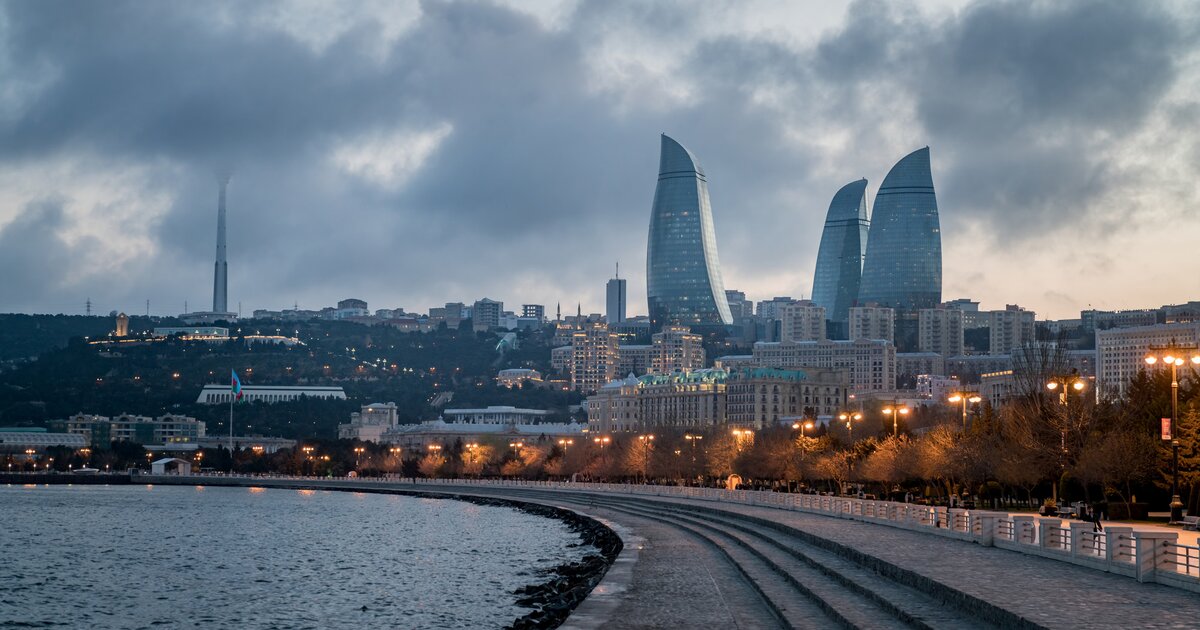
pixel 1055 126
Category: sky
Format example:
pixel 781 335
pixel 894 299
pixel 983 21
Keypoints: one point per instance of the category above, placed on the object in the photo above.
pixel 412 154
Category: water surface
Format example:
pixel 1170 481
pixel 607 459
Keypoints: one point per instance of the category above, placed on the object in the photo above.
pixel 170 556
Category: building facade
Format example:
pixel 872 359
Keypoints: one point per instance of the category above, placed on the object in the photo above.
pixel 903 267
pixel 594 354
pixel 683 272
pixel 1010 329
pixel 940 330
pixel 759 397
pixel 101 431
pixel 220 394
pixel 369 423
pixel 675 349
pixel 615 306
pixel 841 252
pixel 1121 352
pixel 486 314
pixel 871 363
pixel 872 322
pixel 803 320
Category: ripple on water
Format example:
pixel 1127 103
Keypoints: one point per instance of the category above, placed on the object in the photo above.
pixel 147 556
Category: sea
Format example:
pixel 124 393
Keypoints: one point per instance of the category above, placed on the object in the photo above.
pixel 145 556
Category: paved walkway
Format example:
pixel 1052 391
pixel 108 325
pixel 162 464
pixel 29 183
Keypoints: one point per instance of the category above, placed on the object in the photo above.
pixel 1051 593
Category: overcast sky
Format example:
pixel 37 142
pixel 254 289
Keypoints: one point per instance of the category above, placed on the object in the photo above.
pixel 411 155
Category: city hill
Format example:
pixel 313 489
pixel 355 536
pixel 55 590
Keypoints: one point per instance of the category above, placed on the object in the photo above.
pixel 372 364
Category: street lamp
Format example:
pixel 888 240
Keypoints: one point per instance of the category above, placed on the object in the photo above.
pixel 802 427
pixel 895 411
pixel 964 398
pixel 602 441
pixel 1170 356
pixel 1064 385
pixel 647 442
pixel 850 419
pixel 693 439
pixel 741 435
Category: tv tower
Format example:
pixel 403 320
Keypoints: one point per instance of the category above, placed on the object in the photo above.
pixel 221 271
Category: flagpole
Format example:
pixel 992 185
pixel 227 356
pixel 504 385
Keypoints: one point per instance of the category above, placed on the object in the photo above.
pixel 231 397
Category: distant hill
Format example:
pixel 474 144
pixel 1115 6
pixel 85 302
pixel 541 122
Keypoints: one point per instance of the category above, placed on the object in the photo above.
pixel 27 336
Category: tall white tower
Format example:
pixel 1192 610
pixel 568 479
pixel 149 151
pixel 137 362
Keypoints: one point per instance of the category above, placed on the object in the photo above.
pixel 221 271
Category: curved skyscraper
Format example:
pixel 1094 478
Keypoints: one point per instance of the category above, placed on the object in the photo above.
pixel 683 274
pixel 903 268
pixel 843 246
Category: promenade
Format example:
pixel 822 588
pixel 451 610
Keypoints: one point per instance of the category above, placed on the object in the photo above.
pixel 700 562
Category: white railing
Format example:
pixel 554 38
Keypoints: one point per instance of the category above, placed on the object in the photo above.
pixel 1149 555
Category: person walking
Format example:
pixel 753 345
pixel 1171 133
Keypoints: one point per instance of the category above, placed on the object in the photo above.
pixel 1096 526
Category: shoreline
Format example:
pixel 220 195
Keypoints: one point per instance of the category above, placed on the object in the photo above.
pixel 551 599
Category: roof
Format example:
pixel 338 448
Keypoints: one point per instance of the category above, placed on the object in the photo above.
pixel 169 460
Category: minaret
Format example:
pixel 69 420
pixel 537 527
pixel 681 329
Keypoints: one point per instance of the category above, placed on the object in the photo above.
pixel 221 271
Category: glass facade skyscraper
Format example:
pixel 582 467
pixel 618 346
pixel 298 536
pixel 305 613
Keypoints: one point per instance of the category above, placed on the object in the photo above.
pixel 683 274
pixel 843 246
pixel 903 268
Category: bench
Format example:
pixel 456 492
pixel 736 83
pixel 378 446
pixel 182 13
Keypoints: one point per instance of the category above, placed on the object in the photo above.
pixel 1191 523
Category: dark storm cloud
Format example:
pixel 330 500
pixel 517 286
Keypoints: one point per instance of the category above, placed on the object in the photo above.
pixel 546 176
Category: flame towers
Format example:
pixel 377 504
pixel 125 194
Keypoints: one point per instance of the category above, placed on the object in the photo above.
pixel 683 273
pixel 840 256
pixel 903 267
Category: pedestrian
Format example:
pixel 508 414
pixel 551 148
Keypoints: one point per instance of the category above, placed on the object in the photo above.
pixel 1096 526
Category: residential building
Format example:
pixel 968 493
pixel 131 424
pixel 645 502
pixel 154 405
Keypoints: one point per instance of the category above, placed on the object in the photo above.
pixel 940 330
pixel 485 315
pixel 872 322
pixel 1121 352
pixel 594 357
pixel 801 321
pixel 916 363
pixel 1010 329
pixel 534 311
pixel 870 362
pixel 692 399
pixel 761 397
pixel 676 349
pixel 350 308
pixel 968 368
pixel 841 252
pixel 683 272
pixel 636 359
pixel 101 431
pixel 369 423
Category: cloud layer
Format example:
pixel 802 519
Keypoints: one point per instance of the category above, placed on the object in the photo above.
pixel 449 151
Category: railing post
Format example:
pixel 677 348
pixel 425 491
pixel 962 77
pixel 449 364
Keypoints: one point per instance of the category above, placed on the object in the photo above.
pixel 1119 547
pixel 1050 533
pixel 1080 537
pixel 952 519
pixel 1025 529
pixel 1152 555
pixel 987 524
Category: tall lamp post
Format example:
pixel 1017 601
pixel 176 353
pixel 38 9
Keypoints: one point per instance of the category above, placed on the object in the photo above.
pixel 647 442
pixel 964 398
pixel 895 411
pixel 850 419
pixel 1063 385
pixel 1170 356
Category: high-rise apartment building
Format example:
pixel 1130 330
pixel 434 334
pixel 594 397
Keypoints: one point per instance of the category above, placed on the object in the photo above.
pixel 683 273
pixel 903 267
pixel 872 322
pixel 840 255
pixel 534 311
pixel 801 321
pixel 1010 329
pixel 739 307
pixel 485 314
pixel 940 331
pixel 594 355
pixel 676 348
